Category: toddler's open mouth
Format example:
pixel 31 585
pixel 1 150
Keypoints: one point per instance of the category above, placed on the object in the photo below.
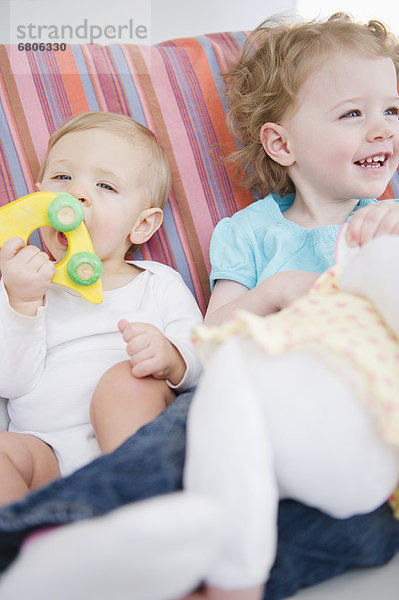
pixel 372 162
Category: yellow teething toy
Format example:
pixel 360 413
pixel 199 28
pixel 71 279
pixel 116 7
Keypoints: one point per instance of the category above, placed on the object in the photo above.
pixel 80 269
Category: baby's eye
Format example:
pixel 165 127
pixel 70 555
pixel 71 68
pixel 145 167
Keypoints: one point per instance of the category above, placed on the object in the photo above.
pixel 62 177
pixel 352 113
pixel 392 111
pixel 106 186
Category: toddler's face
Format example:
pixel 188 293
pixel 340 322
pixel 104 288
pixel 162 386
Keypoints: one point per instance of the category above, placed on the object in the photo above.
pixel 344 133
pixel 102 170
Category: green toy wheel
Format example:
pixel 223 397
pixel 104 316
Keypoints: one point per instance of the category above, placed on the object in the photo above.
pixel 65 212
pixel 84 268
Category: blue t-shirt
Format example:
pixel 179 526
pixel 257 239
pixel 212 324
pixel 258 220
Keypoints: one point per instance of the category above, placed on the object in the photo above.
pixel 258 241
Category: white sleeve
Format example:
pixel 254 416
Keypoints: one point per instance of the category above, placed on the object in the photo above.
pixel 22 349
pixel 181 314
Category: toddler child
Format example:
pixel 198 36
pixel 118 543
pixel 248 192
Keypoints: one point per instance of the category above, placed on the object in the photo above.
pixel 304 402
pixel 56 346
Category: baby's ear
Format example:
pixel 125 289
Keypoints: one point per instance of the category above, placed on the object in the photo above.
pixel 275 143
pixel 149 221
pixel 38 186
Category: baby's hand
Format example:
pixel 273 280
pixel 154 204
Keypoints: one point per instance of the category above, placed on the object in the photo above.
pixel 151 353
pixel 373 220
pixel 27 273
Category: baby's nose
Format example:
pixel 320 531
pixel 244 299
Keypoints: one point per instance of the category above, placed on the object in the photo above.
pixel 79 193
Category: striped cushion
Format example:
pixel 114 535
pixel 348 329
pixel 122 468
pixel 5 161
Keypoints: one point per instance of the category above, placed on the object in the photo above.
pixel 174 88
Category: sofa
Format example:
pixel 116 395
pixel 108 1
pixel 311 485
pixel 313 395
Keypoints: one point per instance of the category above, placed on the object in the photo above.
pixel 175 88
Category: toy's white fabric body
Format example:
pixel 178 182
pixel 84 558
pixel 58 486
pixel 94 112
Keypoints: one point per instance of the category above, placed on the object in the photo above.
pixel 265 427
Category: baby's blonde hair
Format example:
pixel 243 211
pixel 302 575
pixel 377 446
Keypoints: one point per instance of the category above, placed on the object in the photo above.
pixel 156 171
pixel 276 59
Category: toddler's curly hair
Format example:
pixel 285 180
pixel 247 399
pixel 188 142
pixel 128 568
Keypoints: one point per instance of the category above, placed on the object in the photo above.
pixel 276 59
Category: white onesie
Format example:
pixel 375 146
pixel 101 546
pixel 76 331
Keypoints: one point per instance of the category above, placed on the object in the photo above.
pixel 51 363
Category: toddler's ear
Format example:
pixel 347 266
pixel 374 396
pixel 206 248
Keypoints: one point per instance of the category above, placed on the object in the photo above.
pixel 149 221
pixel 274 140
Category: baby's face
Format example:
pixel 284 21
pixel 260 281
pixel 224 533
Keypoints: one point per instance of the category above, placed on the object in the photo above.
pixel 103 170
pixel 344 133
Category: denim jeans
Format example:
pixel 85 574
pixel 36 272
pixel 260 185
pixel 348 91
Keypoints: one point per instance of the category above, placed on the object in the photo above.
pixel 312 546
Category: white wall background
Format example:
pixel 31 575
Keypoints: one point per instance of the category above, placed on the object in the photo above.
pixel 165 19
pixel 364 10
pixel 179 18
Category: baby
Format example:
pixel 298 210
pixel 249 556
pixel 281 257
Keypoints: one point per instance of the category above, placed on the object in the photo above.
pixel 56 346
